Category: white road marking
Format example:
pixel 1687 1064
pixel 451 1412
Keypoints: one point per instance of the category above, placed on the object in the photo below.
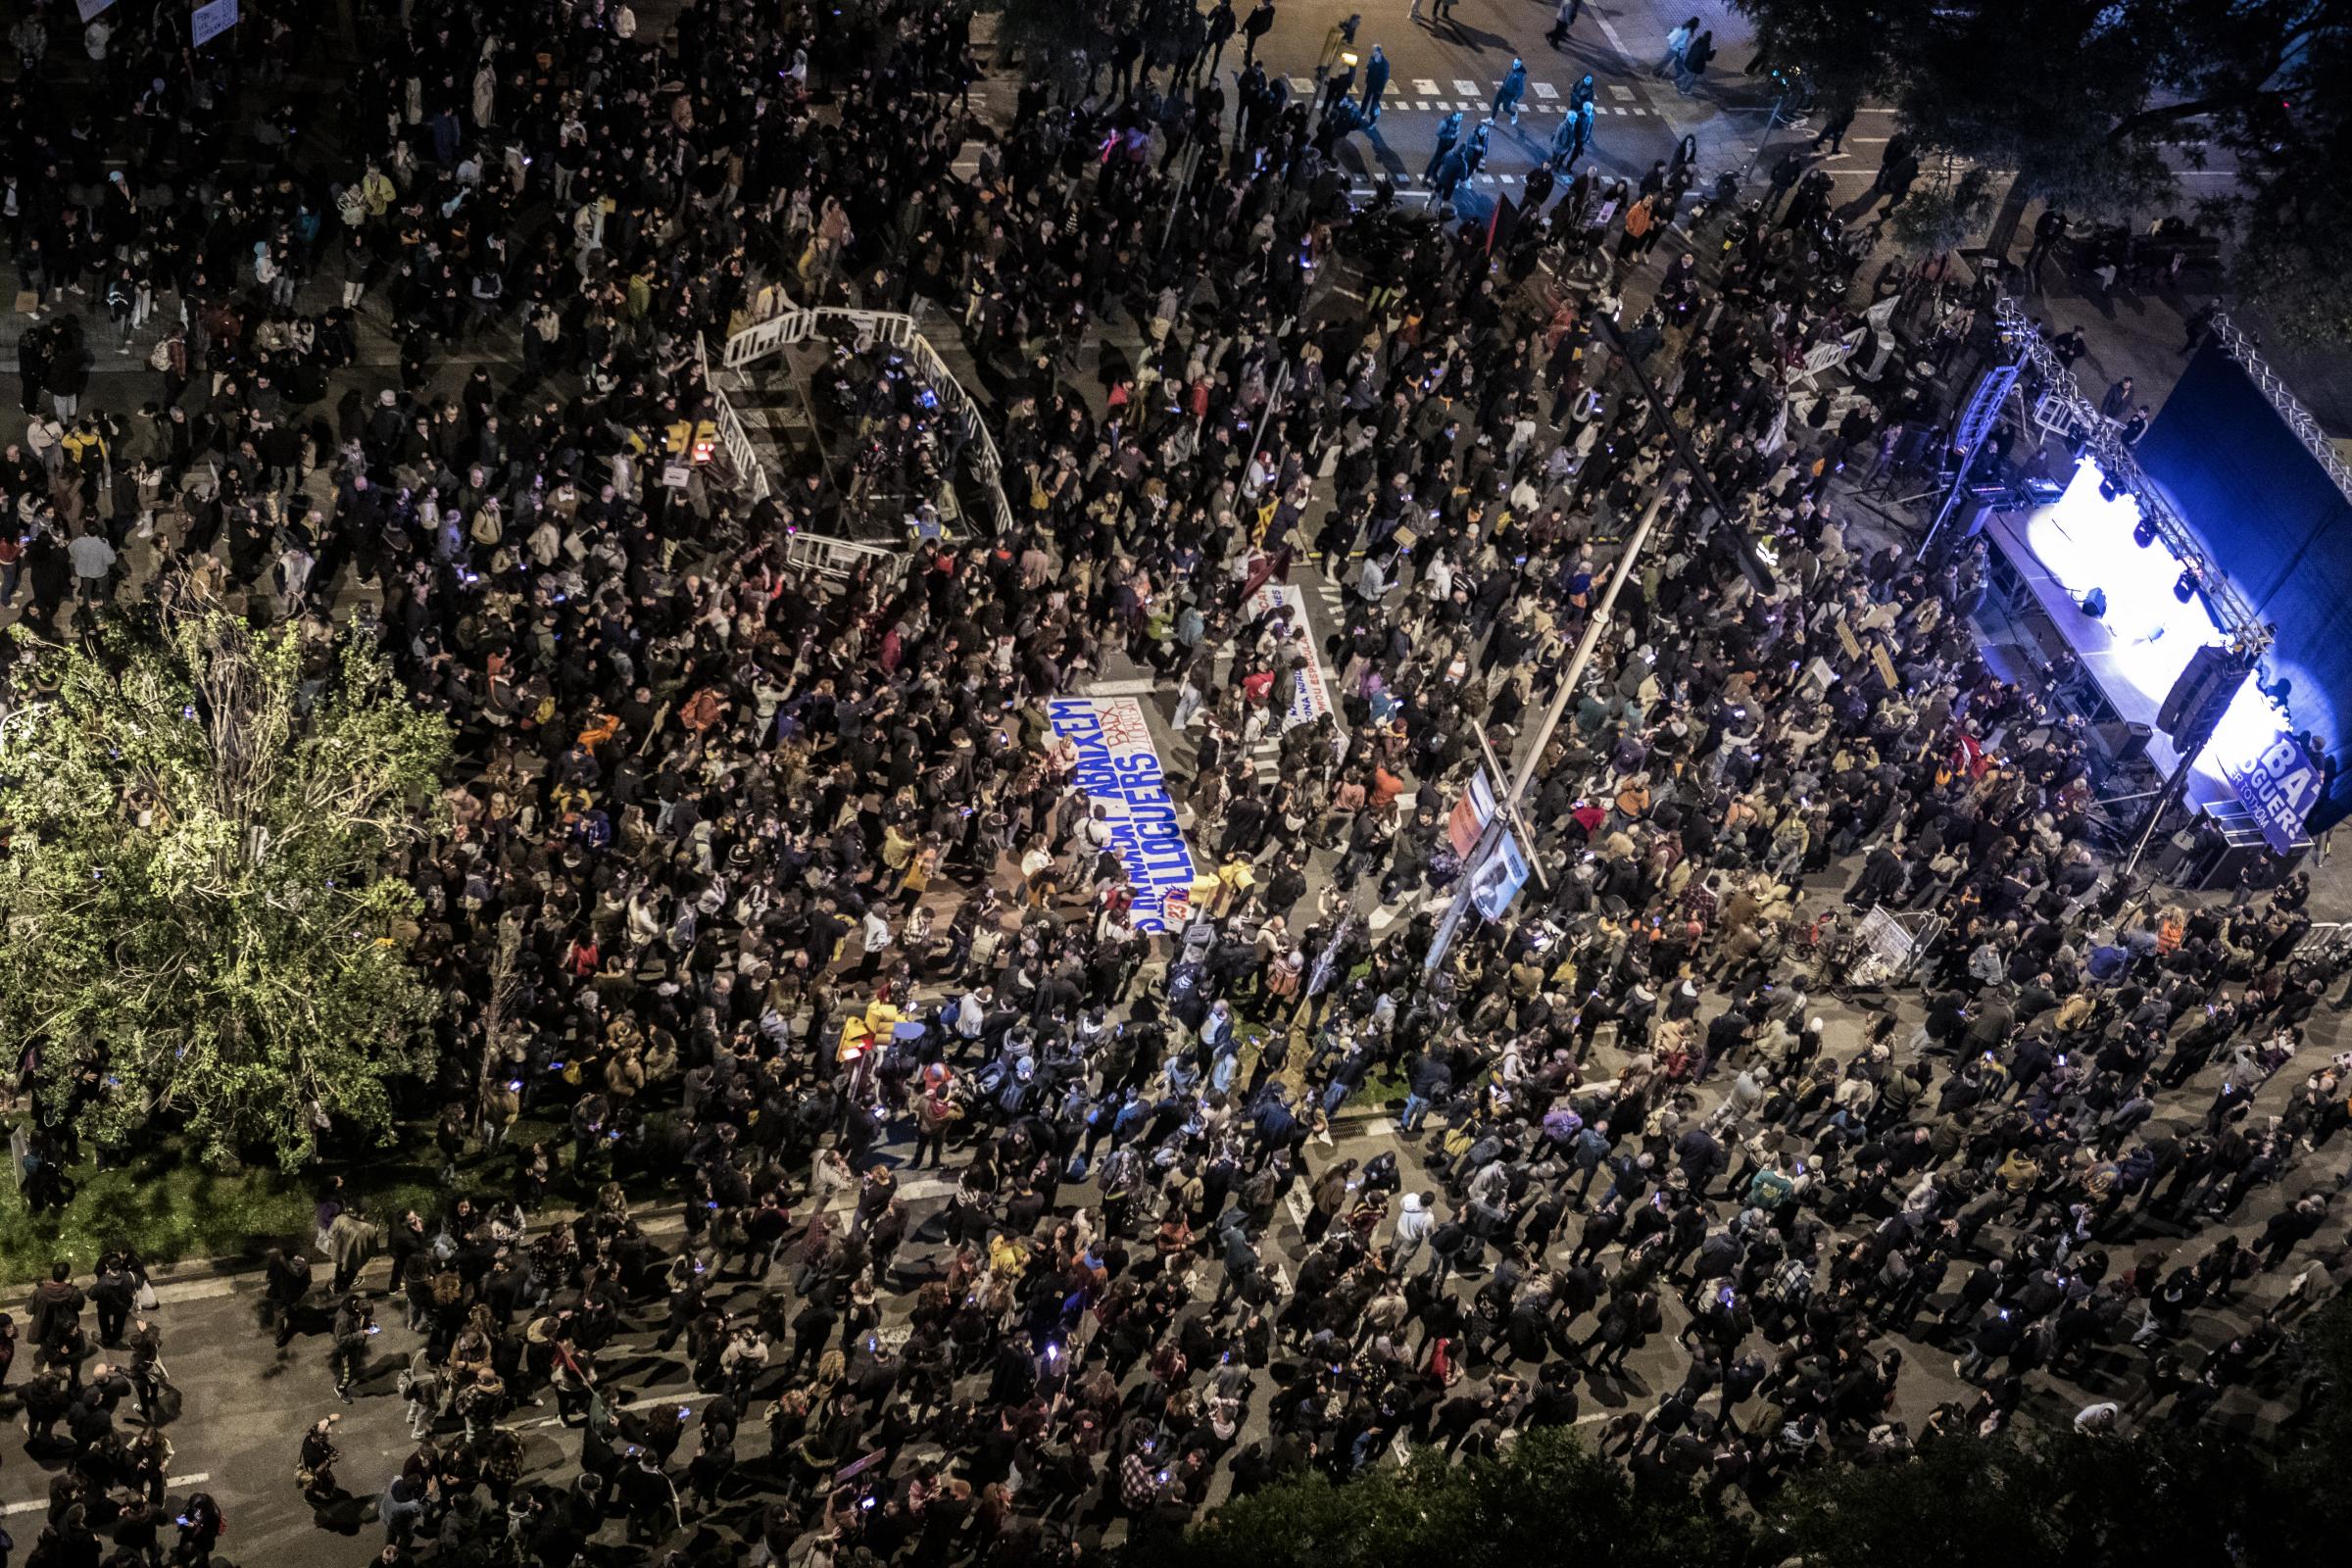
pixel 1621 93
pixel 194 1289
pixel 1424 87
pixel 689 1397
pixel 41 1505
pixel 1545 89
pixel 1461 87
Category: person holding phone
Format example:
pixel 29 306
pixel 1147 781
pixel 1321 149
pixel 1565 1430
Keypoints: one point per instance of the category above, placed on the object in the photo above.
pixel 354 1323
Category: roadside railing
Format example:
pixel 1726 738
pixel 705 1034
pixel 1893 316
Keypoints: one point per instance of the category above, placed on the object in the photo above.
pixel 795 324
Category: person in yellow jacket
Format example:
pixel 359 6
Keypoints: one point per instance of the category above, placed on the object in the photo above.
pixel 1235 878
pixel 377 190
pixel 2018 1173
pixel 84 445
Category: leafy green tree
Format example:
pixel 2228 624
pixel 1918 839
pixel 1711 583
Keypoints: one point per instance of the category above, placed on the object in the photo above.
pixel 2292 213
pixel 2080 98
pixel 1942 212
pixel 2056 1497
pixel 204 932
pixel 1548 1499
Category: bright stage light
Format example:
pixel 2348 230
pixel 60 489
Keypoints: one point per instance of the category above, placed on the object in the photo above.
pixel 2148 634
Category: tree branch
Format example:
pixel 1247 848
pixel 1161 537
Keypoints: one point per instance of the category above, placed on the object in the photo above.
pixel 2146 120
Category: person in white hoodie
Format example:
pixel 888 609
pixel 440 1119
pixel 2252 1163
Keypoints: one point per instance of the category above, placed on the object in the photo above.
pixel 1416 1218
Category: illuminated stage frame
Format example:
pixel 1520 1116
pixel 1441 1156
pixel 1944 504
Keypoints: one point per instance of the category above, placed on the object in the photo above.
pixel 2139 648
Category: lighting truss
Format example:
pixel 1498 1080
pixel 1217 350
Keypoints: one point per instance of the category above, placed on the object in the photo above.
pixel 2283 402
pixel 2102 438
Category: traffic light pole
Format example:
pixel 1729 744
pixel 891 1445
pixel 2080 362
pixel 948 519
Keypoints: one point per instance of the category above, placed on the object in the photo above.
pixel 1771 124
pixel 1506 805
pixel 2174 789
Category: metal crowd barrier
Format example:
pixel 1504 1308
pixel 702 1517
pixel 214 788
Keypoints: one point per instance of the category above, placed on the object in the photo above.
pixel 795 324
pixel 842 557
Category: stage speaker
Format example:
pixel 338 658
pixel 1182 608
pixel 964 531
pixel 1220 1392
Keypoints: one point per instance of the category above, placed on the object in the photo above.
pixel 2123 739
pixel 2197 699
pixel 1911 450
pixel 2095 603
pixel 2225 861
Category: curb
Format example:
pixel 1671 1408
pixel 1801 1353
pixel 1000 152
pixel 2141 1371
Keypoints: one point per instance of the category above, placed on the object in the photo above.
pixel 193 1269
pixel 666 1216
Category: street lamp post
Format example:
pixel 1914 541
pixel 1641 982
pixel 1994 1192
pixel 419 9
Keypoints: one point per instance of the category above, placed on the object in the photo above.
pixel 1183 183
pixel 1788 85
pixel 1506 805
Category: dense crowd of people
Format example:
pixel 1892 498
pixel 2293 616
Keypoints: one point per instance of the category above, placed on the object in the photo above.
pixel 808 905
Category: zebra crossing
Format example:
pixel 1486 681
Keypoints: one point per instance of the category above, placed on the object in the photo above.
pixel 1425 95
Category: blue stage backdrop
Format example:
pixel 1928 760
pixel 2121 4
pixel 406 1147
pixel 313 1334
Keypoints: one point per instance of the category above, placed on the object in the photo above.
pixel 2276 524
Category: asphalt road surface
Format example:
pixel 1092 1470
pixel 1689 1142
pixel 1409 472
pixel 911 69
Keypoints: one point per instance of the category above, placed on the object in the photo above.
pixel 1438 67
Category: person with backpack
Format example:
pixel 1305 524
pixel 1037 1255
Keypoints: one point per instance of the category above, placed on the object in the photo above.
pixel 1509 91
pixel 202 1524
pixel 1453 1248
pixel 1254 28
pixel 1693 64
pixel 55 1307
pixel 315 1461
pixel 68 373
pixel 1678 44
pixel 1563 18
pixel 121 305
pixel 424 1389
pixel 1449 131
pixel 355 1326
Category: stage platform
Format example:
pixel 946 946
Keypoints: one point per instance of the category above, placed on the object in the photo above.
pixel 2131 655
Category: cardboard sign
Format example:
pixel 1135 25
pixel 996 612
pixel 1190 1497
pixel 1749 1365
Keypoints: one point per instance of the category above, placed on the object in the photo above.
pixel 1310 697
pixel 1119 771
pixel 1848 641
pixel 1473 809
pixel 208 21
pixel 91 8
pixel 1885 668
